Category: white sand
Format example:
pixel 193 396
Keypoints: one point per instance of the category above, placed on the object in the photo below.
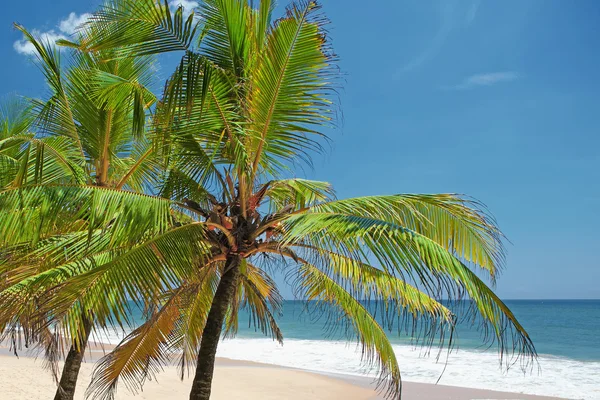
pixel 25 379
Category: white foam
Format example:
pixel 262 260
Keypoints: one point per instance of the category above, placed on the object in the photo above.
pixel 560 377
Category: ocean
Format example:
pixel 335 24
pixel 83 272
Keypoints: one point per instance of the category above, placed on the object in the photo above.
pixel 566 334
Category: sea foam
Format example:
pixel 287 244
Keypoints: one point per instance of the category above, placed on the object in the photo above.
pixel 556 376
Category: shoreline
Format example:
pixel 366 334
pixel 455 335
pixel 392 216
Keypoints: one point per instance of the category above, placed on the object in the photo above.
pixel 411 390
pixel 259 380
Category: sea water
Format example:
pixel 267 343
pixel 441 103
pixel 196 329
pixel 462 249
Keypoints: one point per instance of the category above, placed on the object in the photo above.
pixel 566 334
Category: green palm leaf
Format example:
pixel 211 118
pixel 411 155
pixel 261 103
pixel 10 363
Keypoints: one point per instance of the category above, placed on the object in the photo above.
pixel 300 193
pixel 290 85
pixel 258 294
pixel 26 290
pixel 140 274
pixel 225 40
pixel 376 348
pixel 188 333
pixel 175 327
pixel 140 27
pixel 460 225
pixel 30 213
pixel 393 295
pixel 16 117
pixel 50 159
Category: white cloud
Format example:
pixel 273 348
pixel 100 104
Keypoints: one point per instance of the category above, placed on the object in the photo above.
pixel 487 79
pixel 73 22
pixel 23 46
pixel 188 6
pixel 67 26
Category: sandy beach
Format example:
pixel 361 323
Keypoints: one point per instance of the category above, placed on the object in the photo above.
pixel 24 378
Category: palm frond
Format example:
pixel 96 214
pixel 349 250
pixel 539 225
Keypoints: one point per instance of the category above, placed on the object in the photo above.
pixel 263 301
pixel 188 333
pixel 197 123
pixel 225 40
pixel 23 292
pixel 142 172
pixel 10 168
pixel 30 213
pixel 290 89
pixel 140 274
pixel 458 224
pixel 141 354
pixel 118 92
pixel 55 115
pixel 26 261
pixel 16 117
pixel 262 23
pixel 376 348
pixel 300 193
pixel 392 297
pixel 139 27
pixel 175 327
pixel 258 294
pixel 49 160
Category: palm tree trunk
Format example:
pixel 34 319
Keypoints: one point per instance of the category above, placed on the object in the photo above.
pixel 70 372
pixel 212 331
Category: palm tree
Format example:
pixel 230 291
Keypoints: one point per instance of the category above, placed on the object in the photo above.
pixel 87 133
pixel 247 102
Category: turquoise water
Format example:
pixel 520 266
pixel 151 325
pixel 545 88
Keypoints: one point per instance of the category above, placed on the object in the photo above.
pixel 564 328
pixel 566 334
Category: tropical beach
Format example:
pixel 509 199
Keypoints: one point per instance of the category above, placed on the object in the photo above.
pixel 254 381
pixel 180 216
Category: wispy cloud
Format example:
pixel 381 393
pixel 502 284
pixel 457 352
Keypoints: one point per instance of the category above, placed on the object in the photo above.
pixel 472 12
pixel 446 15
pixel 66 27
pixel 487 79
pixel 188 6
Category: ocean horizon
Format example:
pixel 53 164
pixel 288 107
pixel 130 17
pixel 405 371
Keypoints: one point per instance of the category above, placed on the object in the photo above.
pixel 564 332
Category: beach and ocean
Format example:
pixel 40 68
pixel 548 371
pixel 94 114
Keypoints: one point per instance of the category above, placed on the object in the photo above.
pixel 313 363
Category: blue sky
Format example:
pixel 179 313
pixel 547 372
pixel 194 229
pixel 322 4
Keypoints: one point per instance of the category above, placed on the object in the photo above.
pixel 498 100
